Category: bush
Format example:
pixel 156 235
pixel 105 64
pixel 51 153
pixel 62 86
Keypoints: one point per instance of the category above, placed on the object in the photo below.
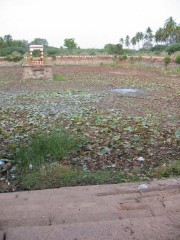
pixel 177 60
pixel 139 58
pixel 120 58
pixel 14 57
pixel 171 170
pixel 167 60
pixel 124 57
pixel 113 48
pixel 92 53
pixel 173 48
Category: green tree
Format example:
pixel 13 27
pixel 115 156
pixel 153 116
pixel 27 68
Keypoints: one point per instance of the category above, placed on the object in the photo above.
pixel 70 43
pixel 177 34
pixel 40 41
pixel 8 39
pixel 2 43
pixel 20 43
pixel 114 48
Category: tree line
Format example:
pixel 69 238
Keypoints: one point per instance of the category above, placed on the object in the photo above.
pixel 166 35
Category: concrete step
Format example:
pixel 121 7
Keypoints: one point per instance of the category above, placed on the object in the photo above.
pixel 155 228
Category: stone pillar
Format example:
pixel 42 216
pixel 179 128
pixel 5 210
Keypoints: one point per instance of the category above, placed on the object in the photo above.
pixel 31 58
pixel 42 57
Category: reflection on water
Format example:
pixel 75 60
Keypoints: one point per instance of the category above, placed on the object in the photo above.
pixel 124 90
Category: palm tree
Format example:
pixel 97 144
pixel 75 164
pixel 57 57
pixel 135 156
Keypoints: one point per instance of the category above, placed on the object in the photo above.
pixel 177 34
pixel 149 35
pixel 121 41
pixel 133 41
pixel 137 36
pixel 141 37
pixel 170 29
pixel 160 35
pixel 127 43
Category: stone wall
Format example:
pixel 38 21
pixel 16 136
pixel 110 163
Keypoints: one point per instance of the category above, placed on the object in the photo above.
pixel 84 59
pixel 155 61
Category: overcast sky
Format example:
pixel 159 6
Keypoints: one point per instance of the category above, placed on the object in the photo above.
pixel 93 23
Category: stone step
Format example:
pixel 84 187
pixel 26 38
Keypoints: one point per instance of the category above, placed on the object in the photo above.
pixel 91 206
pixel 155 228
pixel 88 204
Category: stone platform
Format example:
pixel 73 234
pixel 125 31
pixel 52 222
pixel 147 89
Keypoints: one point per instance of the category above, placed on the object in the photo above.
pixel 37 72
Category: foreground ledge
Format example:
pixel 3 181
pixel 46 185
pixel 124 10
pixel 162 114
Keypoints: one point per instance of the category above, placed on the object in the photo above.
pixel 106 212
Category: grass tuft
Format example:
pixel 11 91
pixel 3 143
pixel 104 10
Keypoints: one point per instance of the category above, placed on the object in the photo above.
pixel 56 175
pixel 171 170
pixel 46 147
pixel 60 78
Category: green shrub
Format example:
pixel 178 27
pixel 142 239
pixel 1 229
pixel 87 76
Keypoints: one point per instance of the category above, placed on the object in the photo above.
pixel 139 58
pixel 124 57
pixel 177 60
pixel 14 57
pixel 115 58
pixel 120 58
pixel 157 53
pixel 36 53
pixel 167 60
pixel 46 147
pixel 92 53
pixel 173 48
pixel 158 48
